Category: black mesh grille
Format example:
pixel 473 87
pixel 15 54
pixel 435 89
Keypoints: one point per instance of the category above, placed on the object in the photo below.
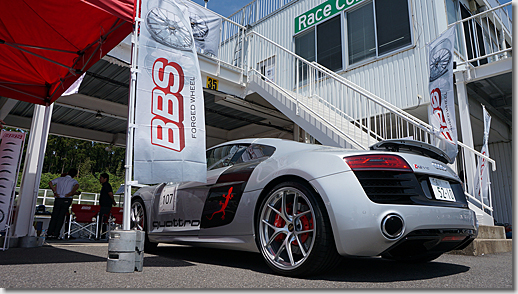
pixel 393 187
pixel 389 187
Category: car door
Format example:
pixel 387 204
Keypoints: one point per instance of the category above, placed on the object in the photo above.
pixel 178 207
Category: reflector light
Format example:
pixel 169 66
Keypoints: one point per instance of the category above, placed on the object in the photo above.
pixel 453 238
pixel 377 162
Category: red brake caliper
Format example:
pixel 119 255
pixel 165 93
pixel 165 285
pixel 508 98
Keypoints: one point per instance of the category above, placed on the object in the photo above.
pixel 306 225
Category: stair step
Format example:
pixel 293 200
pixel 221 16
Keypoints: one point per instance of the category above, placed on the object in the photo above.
pixel 491 232
pixel 486 246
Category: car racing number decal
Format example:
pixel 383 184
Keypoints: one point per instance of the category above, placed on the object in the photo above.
pixel 167 202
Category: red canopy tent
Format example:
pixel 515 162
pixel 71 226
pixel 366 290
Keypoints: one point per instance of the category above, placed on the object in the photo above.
pixel 46 45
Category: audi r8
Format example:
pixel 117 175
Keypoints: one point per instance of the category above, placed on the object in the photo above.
pixel 303 206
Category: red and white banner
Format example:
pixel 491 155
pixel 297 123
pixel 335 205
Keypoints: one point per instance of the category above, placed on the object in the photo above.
pixel 481 182
pixel 441 112
pixel 10 152
pixel 169 144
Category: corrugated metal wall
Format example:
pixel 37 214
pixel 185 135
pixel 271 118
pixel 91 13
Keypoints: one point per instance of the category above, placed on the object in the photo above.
pixel 397 79
pixel 501 181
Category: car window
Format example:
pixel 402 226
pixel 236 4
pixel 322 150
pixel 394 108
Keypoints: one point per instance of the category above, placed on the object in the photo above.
pixel 222 156
pixel 236 153
pixel 252 152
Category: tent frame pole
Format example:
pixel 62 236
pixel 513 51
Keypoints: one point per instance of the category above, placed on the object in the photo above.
pixel 126 225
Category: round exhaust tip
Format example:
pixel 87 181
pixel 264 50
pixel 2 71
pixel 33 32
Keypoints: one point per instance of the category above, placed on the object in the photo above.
pixel 392 226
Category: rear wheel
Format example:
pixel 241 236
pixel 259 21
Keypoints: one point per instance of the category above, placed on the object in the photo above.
pixel 294 233
pixel 139 222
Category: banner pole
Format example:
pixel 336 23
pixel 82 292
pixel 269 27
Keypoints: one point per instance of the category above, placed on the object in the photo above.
pixel 131 121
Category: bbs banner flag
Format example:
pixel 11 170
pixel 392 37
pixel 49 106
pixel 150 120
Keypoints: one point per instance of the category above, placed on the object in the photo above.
pixel 169 144
pixel 481 184
pixel 11 147
pixel 441 112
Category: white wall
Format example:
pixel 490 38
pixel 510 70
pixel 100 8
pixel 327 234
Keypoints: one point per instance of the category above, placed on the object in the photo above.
pixel 397 79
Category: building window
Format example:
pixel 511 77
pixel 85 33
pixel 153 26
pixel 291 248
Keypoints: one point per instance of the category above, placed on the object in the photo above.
pixel 328 49
pixel 360 34
pixel 392 25
pixel 305 48
pixel 305 45
pixel 373 29
pixel 329 44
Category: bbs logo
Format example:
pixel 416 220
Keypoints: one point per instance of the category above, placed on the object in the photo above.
pixel 167 129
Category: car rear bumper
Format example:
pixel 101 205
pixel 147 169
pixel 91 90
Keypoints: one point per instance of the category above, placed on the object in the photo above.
pixel 357 222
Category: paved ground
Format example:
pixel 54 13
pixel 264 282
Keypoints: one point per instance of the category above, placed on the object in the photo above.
pixel 83 265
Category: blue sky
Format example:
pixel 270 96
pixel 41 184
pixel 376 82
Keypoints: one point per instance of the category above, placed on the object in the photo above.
pixel 224 7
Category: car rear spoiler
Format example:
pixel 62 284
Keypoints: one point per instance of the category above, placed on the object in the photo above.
pixel 412 146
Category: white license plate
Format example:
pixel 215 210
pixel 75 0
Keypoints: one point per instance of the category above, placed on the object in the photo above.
pixel 442 190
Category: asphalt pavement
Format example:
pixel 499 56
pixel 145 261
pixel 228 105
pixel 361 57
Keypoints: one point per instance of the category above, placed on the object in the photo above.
pixel 82 265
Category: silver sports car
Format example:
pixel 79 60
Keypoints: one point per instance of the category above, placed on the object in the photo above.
pixel 302 206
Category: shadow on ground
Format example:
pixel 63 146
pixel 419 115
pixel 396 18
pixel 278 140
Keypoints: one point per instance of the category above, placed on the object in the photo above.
pixel 44 255
pixel 349 269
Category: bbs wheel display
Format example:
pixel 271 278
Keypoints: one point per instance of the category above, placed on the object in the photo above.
pixel 168 28
pixel 293 231
pixel 200 30
pixel 139 222
pixel 440 58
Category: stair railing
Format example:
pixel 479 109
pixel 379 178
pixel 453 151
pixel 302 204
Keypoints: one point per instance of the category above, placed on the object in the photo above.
pixel 489 35
pixel 343 103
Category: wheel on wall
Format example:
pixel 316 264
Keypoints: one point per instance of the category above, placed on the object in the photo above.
pixel 139 222
pixel 294 233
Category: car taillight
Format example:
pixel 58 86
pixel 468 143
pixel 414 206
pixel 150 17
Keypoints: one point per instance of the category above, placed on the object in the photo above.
pixel 377 162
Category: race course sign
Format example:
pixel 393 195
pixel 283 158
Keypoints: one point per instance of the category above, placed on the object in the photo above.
pixel 169 108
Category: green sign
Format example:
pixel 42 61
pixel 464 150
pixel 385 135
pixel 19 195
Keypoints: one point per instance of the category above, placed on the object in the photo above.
pixel 321 12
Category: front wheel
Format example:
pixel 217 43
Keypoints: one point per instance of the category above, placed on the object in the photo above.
pixel 294 233
pixel 139 223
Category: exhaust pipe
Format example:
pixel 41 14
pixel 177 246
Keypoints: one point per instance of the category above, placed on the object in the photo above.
pixel 392 226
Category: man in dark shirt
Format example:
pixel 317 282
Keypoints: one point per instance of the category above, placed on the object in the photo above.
pixel 106 200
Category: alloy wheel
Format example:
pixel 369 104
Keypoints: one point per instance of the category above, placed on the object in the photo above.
pixel 287 228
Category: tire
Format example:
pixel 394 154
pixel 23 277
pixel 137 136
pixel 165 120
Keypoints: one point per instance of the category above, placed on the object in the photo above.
pixel 311 247
pixel 139 222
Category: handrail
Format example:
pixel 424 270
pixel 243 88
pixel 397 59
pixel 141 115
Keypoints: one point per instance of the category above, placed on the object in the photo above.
pixel 347 83
pixel 482 204
pixel 358 145
pixel 485 56
pixel 477 15
pixel 493 163
pixel 372 97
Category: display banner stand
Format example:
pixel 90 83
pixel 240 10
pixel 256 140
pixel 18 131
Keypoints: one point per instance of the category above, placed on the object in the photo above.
pixel 11 146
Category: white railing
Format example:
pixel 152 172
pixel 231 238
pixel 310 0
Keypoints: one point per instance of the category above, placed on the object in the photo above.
pixel 46 197
pixel 257 10
pixel 359 113
pixel 485 37
pixel 468 171
pixel 230 52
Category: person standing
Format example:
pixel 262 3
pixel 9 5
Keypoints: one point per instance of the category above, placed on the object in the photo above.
pixel 106 200
pixel 64 189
